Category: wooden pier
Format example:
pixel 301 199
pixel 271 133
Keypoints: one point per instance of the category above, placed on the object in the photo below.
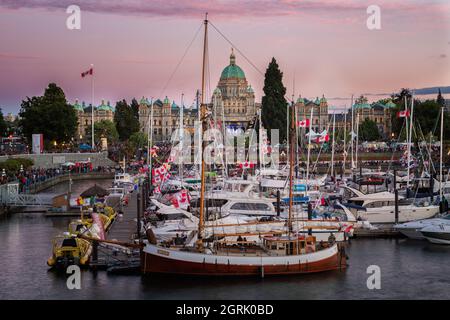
pixel 383 231
pixel 116 258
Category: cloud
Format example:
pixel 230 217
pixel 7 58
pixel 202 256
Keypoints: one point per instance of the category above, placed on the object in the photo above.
pixel 217 8
pixel 443 56
pixel 14 56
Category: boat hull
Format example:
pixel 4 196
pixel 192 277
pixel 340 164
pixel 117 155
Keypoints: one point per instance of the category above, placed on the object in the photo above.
pixel 165 261
pixel 437 237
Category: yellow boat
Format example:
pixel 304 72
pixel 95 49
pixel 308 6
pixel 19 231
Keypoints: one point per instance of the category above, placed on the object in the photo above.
pixel 69 251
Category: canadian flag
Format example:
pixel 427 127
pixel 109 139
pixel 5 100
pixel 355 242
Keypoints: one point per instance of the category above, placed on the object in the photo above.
pixel 324 138
pixel 181 199
pixel 86 73
pixel 303 123
pixel 246 165
pixel 154 151
pixel 403 114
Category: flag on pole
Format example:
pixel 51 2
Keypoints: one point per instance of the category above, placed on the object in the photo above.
pixel 324 138
pixel 403 114
pixel 303 123
pixel 86 73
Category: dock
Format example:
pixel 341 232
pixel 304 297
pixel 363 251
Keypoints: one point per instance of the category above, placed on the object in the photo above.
pixel 382 231
pixel 115 258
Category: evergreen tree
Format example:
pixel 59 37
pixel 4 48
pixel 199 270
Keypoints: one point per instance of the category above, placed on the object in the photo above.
pixel 274 113
pixel 368 131
pixel 440 99
pixel 3 125
pixel 125 120
pixel 135 108
pixel 50 115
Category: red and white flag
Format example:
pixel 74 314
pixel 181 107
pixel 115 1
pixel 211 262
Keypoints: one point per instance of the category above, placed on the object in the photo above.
pixel 86 73
pixel 97 228
pixel 246 165
pixel 303 123
pixel 324 138
pixel 403 114
pixel 181 199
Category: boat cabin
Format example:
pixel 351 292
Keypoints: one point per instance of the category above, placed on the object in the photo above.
pixel 289 245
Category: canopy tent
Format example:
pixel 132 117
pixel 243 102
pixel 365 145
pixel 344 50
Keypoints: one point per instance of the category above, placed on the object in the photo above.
pixel 84 146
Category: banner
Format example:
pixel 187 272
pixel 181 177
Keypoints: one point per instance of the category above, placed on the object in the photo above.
pixel 37 143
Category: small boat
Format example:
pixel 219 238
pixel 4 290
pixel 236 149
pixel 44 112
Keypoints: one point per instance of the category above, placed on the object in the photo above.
pixel 68 251
pixel 439 234
pixel 413 229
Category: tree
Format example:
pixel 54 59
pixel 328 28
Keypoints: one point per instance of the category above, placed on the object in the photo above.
pixel 274 113
pixel 361 100
pixel 138 140
pixel 50 115
pixel 368 131
pixel 103 129
pixel 135 107
pixel 440 100
pixel 3 125
pixel 125 120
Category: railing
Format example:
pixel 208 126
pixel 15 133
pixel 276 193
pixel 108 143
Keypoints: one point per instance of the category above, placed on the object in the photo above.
pixel 10 196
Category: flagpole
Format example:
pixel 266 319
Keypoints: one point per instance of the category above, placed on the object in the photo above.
pixel 92 106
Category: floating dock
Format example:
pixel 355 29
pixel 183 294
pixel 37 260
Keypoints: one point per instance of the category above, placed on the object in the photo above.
pixel 115 258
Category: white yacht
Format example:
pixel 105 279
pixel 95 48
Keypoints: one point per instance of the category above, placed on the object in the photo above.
pixel 380 207
pixel 437 233
pixel 413 229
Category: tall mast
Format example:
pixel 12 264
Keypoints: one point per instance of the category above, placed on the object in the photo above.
pixel 291 168
pixel 353 131
pixel 150 142
pixel 441 151
pixel 410 138
pixel 181 142
pixel 203 129
pixel 345 141
pixel 309 150
pixel 332 146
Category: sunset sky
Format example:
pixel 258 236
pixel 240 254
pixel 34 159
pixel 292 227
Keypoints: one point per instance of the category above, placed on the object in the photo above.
pixel 136 46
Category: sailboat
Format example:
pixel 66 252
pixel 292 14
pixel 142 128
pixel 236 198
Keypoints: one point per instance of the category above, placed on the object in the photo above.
pixel 289 254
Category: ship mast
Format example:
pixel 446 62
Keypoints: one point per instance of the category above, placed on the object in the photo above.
pixel 203 115
pixel 291 167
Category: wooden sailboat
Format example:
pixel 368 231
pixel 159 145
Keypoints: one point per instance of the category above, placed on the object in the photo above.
pixel 289 254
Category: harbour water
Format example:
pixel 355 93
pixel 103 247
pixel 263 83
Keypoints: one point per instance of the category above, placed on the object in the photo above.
pixel 409 270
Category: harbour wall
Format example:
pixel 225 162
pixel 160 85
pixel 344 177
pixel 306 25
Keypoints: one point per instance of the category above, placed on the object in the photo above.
pixel 41 186
pixel 54 160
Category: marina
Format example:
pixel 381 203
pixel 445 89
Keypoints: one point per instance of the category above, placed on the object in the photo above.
pixel 217 159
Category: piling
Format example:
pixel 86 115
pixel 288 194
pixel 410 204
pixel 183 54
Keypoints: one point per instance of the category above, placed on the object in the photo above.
pixel 278 203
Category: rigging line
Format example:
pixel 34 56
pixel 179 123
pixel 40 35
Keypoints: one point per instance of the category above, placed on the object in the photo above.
pixel 237 49
pixel 181 60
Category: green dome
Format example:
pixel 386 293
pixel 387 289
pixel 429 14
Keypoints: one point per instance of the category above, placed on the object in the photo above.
pixel 300 100
pixel 232 70
pixel 166 100
pixel 104 107
pixel 77 106
pixel 250 89
pixel 390 104
pixel 323 99
pixel 362 106
pixel 144 101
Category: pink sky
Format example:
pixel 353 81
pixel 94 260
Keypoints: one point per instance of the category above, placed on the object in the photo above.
pixel 136 45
